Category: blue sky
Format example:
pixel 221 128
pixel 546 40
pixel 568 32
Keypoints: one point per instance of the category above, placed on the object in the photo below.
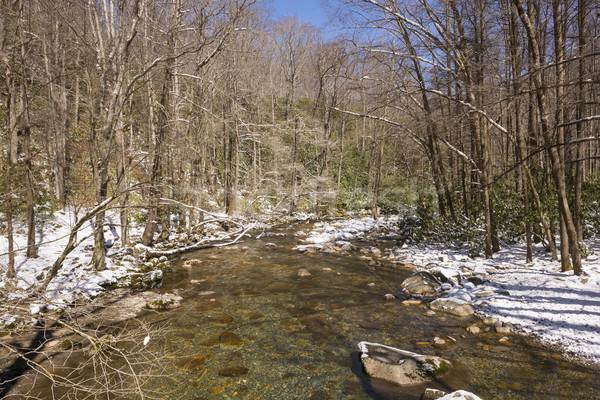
pixel 307 10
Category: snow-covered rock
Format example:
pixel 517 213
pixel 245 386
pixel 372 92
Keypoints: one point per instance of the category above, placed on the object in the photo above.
pixel 421 284
pixel 453 305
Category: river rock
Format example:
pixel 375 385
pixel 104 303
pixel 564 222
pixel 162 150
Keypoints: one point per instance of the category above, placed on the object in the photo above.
pixel 233 371
pixel 503 330
pixel 490 321
pixel 460 395
pixel 453 306
pixel 474 329
pixel 399 366
pixel 432 394
pixel 421 284
pixel 141 281
pixel 166 301
pixel 304 272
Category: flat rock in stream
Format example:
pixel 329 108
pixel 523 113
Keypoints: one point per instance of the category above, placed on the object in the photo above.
pixel 399 366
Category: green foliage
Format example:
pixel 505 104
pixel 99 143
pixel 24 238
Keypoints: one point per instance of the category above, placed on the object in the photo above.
pixel 351 200
pixel 591 206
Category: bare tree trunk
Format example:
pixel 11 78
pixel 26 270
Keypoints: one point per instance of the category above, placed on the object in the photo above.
pixel 155 177
pixel 10 267
pixel 25 129
pixel 517 69
pixel 341 159
pixel 293 199
pixel 579 168
pixel 558 168
pixel 30 189
pixel 377 183
pixel 557 9
pixel 54 64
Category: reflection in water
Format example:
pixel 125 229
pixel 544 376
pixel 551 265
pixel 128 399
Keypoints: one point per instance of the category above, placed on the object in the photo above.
pixel 250 327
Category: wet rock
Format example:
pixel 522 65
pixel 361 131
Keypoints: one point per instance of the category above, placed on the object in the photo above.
pixel 371 250
pixel 233 371
pixel 216 390
pixel 498 349
pixel 221 320
pixel 474 329
pixel 438 341
pixel 421 284
pixel 399 366
pixel 139 281
pixel 453 306
pixel 503 330
pixel 191 363
pixel 192 263
pixel 225 339
pixel 375 325
pixel 304 272
pixel 254 316
pixel 389 296
pixel 166 301
pixel 490 321
pixel 505 341
pixel 432 394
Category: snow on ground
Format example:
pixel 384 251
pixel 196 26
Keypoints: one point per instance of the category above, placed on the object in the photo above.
pixel 77 279
pixel 558 308
pixel 346 229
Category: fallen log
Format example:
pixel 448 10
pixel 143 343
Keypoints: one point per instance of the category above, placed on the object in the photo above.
pixel 149 253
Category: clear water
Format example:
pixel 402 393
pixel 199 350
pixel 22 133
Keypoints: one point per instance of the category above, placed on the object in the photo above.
pixel 251 328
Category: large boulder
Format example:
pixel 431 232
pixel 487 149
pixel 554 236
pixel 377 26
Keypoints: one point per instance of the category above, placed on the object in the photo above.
pixel 399 366
pixel 422 284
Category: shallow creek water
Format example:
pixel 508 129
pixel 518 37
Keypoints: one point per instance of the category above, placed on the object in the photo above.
pixel 250 327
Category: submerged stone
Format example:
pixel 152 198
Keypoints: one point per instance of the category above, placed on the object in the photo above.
pixel 225 339
pixel 399 366
pixel 233 371
pixel 221 320
pixel 191 363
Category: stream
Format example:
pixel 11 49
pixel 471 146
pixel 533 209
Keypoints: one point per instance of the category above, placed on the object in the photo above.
pixel 251 328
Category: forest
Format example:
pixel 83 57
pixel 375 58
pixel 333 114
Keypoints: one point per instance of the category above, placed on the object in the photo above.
pixel 479 118
pixel 279 183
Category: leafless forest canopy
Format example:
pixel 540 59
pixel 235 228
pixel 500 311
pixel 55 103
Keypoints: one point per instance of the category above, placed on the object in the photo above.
pixel 479 115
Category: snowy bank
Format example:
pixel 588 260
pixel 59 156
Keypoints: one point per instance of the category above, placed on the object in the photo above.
pixel 77 280
pixel 560 309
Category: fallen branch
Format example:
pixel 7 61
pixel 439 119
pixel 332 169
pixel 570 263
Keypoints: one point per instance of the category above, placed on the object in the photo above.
pixel 198 246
